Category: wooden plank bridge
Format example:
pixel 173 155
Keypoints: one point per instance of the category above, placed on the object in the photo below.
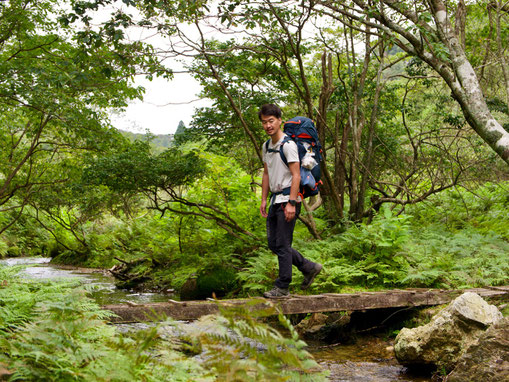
pixel 327 302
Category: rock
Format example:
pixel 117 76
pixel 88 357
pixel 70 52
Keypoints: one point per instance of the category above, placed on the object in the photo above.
pixel 470 307
pixel 445 338
pixel 312 324
pixel 487 359
pixel 330 328
pixel 189 290
pixel 213 282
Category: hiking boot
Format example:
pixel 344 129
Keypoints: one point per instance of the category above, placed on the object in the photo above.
pixel 310 276
pixel 276 292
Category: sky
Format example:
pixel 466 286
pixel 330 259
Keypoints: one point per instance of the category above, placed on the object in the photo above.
pixel 165 104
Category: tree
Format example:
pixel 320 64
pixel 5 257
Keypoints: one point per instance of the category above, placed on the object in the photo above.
pixel 349 96
pixel 181 134
pixel 353 96
pixel 58 80
pixel 165 180
pixel 431 30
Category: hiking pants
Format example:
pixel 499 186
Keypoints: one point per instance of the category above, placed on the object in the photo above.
pixel 279 237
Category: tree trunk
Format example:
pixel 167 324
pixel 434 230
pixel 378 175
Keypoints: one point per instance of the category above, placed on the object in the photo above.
pixel 466 88
pixel 369 153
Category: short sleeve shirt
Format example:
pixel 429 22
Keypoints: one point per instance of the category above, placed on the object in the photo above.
pixel 280 176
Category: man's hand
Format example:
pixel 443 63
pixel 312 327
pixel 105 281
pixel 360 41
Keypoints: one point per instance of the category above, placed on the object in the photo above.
pixel 263 208
pixel 289 212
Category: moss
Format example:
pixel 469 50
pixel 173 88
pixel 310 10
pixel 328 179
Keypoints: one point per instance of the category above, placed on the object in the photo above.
pixel 218 281
pixel 14 251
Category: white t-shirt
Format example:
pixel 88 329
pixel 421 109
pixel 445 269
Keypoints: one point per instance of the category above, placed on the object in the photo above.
pixel 280 176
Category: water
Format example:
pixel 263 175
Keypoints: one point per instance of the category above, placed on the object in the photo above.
pixel 104 290
pixel 368 360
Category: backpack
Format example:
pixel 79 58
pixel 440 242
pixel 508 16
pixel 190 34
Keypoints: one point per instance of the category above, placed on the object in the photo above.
pixel 303 132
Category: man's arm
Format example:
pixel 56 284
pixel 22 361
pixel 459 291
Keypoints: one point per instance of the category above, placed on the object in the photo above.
pixel 294 190
pixel 265 191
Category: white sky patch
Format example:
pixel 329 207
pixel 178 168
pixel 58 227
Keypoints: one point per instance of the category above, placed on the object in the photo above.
pixel 166 103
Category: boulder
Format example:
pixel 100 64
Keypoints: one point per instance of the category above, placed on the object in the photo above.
pixel 442 341
pixel 330 327
pixel 312 324
pixel 487 359
pixel 213 282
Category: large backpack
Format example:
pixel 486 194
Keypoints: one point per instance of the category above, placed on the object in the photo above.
pixel 303 132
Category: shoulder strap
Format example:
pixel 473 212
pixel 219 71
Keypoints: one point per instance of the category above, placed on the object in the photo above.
pixel 267 145
pixel 281 152
pixel 268 149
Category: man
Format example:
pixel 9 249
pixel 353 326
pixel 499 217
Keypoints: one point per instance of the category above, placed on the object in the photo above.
pixel 283 181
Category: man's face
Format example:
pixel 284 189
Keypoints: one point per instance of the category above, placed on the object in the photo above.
pixel 271 124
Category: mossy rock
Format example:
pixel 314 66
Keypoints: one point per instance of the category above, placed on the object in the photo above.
pixel 14 251
pixel 216 281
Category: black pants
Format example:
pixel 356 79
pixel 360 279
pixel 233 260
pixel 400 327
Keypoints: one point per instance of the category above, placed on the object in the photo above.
pixel 280 236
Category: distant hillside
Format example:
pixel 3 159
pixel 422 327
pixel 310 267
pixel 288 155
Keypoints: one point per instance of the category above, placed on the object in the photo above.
pixel 158 142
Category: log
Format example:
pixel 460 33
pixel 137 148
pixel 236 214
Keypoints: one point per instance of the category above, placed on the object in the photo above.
pixel 327 302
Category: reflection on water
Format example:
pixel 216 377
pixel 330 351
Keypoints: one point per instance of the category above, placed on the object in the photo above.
pixel 25 261
pixel 102 288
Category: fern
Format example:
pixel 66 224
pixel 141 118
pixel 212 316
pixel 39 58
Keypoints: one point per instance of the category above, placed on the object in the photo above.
pixel 236 346
pixel 4 247
pixel 260 273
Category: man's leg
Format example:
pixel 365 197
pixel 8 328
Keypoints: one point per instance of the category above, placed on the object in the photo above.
pixel 280 237
pixel 272 235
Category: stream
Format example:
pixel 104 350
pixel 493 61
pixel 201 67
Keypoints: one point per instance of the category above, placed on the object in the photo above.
pixel 369 359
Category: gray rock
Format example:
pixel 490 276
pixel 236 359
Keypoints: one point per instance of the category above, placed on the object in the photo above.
pixel 313 324
pixel 470 307
pixel 445 338
pixel 487 359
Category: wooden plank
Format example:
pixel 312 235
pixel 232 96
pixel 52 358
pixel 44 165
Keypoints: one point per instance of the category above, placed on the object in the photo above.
pixel 327 302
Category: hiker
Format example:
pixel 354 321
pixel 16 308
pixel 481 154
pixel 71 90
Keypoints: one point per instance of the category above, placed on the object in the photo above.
pixel 284 207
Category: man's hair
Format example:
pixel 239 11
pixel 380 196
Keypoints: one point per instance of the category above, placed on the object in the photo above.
pixel 269 110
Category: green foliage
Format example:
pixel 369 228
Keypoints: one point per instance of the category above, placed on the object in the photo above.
pixel 4 247
pixel 53 332
pixel 135 169
pixel 371 255
pixel 26 237
pixel 483 209
pixel 461 259
pixel 236 346
pixel 19 297
pixel 158 142
pixel 260 272
pixel 456 239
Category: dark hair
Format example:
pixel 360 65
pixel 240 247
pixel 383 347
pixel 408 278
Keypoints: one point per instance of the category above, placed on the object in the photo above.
pixel 269 110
